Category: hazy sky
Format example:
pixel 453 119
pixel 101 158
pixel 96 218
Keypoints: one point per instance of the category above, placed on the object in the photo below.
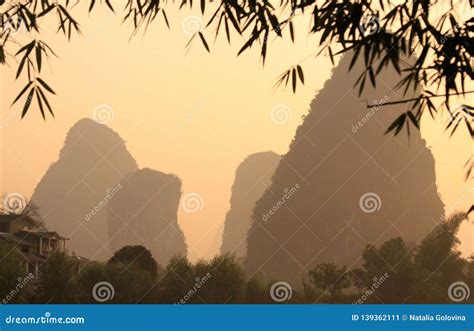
pixel 190 113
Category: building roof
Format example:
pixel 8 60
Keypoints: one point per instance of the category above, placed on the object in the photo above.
pixel 15 239
pixel 5 219
pixel 77 258
pixel 42 234
pixel 10 218
pixel 33 258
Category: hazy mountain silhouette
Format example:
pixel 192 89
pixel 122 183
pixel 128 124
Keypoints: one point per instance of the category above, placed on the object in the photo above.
pixel 144 212
pixel 72 195
pixel 252 177
pixel 331 164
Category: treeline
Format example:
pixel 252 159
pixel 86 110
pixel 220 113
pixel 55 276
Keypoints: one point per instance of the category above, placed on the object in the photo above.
pixel 391 273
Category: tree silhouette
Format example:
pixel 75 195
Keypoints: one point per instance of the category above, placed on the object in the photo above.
pixel 177 280
pixel 379 31
pixel 225 280
pixel 131 285
pixel 12 272
pixel 137 257
pixel 391 273
pixel 93 273
pixel 57 283
pixel 328 276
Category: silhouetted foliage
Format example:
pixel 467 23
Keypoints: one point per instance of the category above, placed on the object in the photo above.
pixel 128 284
pixel 394 259
pixel 221 280
pixel 12 271
pixel 88 278
pixel 226 283
pixel 132 285
pixel 58 282
pixel 176 281
pixel 393 273
pixel 257 291
pixel 328 276
pixel 374 30
pixel 137 257
pixel 390 273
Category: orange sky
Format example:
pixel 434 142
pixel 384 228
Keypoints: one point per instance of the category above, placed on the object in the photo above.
pixel 194 114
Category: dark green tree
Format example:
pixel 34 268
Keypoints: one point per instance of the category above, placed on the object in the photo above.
pixel 256 291
pixel 221 280
pixel 394 259
pixel 469 271
pixel 12 273
pixel 225 281
pixel 58 280
pixel 133 272
pixel 330 279
pixel 439 263
pixel 131 285
pixel 90 275
pixel 137 257
pixel 438 252
pixel 177 280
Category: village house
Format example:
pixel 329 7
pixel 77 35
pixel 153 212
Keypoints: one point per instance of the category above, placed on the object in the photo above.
pixel 34 243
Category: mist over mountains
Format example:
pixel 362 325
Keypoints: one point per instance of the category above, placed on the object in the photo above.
pixel 95 195
pixel 350 183
pixel 92 162
pixel 342 185
pixel 252 177
pixel 144 212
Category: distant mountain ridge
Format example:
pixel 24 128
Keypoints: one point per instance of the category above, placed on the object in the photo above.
pixel 144 212
pixel 93 160
pixel 89 191
pixel 357 186
pixel 252 177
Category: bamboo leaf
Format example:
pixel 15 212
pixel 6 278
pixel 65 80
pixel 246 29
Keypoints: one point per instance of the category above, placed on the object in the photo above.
pixel 46 86
pixel 204 42
pixel 27 103
pixel 300 73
